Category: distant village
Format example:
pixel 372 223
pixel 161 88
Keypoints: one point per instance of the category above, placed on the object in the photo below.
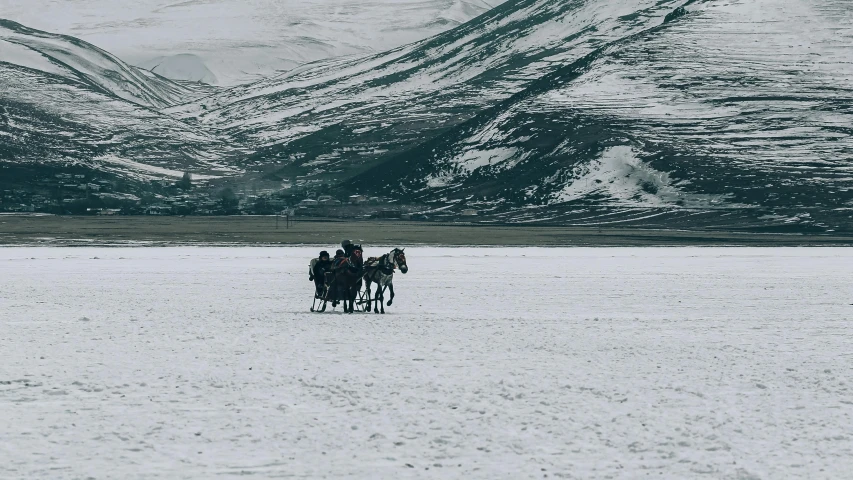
pixel 82 194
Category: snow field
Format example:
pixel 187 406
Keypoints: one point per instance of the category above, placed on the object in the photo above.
pixel 492 363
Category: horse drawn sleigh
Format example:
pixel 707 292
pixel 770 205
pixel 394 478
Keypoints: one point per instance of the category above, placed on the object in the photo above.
pixel 348 279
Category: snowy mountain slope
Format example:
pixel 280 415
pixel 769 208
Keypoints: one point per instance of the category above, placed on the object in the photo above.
pixel 724 113
pixel 343 114
pixel 183 67
pixel 64 102
pixel 78 61
pixel 48 121
pixel 245 40
pixel 737 105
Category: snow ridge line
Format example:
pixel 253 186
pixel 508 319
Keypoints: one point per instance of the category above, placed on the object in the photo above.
pixel 155 97
pixel 559 77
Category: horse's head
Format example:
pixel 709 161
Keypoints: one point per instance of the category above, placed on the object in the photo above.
pixel 400 259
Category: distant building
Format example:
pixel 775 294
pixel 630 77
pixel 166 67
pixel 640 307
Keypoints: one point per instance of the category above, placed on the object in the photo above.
pixel 158 210
pixel 358 199
pixel 308 202
pixel 328 201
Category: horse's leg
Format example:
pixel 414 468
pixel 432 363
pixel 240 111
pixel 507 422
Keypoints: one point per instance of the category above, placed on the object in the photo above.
pixel 323 301
pixel 351 294
pixel 345 294
pixel 391 290
pixel 382 300
pixel 377 300
pixel 367 303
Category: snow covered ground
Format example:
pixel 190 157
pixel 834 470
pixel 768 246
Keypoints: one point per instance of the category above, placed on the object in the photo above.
pixel 492 363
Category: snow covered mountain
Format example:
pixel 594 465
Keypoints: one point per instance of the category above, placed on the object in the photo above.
pixel 544 109
pixel 65 102
pixel 646 112
pixel 400 95
pixel 72 59
pixel 244 40
pixel 741 105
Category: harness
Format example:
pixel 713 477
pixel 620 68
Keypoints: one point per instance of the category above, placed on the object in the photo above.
pixel 346 262
pixel 382 264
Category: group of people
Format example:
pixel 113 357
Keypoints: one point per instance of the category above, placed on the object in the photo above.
pixel 321 265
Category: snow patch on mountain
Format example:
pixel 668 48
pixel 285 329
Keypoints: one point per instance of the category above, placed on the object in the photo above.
pixel 184 66
pixel 79 61
pixel 50 120
pixel 25 56
pixel 142 171
pixel 619 177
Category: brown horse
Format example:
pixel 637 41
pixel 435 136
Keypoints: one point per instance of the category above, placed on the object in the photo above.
pixel 346 280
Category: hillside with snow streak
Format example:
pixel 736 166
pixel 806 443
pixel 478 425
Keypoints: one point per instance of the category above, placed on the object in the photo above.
pixel 664 111
pixel 84 63
pixel 345 114
pixel 65 103
pixel 743 107
pixel 654 113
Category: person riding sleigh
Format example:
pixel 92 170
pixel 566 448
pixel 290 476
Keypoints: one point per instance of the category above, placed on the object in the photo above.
pixel 349 250
pixel 317 271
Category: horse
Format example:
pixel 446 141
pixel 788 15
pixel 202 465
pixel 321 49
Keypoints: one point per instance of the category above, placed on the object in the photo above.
pixel 346 280
pixel 381 272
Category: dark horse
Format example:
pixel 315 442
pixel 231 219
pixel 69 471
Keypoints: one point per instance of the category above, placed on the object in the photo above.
pixel 346 280
pixel 381 272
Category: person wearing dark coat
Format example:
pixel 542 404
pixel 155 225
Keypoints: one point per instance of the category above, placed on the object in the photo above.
pixel 317 271
pixel 348 247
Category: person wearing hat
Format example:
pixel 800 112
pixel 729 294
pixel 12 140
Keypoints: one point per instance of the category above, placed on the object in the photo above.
pixel 339 255
pixel 317 270
pixel 348 247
